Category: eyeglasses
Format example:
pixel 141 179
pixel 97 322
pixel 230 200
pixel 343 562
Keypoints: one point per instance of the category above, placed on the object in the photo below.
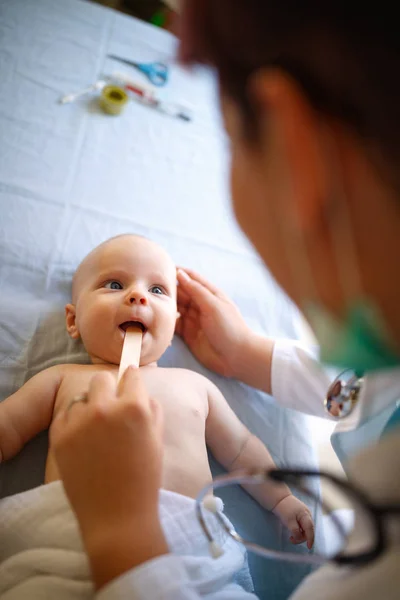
pixel 354 529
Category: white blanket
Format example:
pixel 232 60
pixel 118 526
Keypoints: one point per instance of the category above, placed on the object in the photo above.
pixel 42 556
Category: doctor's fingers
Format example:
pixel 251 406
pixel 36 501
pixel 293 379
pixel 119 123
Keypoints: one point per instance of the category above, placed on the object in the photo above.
pixel 189 328
pixel 195 295
pixel 102 390
pixel 185 275
pixel 136 403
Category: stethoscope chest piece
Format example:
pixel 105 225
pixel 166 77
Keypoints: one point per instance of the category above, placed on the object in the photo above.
pixel 343 394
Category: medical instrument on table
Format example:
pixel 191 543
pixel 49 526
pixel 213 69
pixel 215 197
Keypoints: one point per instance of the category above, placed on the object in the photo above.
pixel 157 72
pixel 141 94
pixel 167 108
pixel 147 97
pixel 371 518
pixel 117 78
pixel 131 85
pixel 343 394
pixel 131 348
pixel 113 99
pixel 97 85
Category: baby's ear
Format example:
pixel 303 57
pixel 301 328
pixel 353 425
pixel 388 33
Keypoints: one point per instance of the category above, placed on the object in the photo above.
pixel 70 321
pixel 178 315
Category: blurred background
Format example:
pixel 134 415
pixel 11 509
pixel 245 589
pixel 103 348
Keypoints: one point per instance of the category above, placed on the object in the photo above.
pixel 158 12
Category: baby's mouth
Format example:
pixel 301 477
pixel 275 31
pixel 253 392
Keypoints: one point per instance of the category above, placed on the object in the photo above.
pixel 124 326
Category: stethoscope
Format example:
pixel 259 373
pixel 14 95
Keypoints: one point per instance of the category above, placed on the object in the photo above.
pixel 343 394
pixel 340 401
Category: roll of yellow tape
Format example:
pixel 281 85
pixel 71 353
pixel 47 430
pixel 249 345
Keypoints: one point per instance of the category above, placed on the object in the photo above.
pixel 113 99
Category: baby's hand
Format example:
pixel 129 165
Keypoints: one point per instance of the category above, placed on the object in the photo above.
pixel 296 516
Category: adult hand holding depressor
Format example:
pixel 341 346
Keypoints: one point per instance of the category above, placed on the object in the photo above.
pixel 216 333
pixel 109 454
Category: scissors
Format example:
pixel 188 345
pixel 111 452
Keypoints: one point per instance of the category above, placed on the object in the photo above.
pixel 156 72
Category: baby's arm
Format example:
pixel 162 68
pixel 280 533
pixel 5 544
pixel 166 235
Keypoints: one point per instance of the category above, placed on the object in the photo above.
pixel 28 412
pixel 236 448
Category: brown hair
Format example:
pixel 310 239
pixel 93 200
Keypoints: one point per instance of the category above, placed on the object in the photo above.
pixel 344 54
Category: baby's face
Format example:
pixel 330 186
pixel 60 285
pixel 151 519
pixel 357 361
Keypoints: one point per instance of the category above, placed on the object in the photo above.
pixel 127 279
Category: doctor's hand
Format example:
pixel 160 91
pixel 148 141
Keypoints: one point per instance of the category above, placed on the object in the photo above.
pixel 108 449
pixel 218 336
pixel 210 323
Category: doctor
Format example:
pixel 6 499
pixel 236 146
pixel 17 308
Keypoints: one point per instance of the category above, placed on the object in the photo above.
pixel 310 96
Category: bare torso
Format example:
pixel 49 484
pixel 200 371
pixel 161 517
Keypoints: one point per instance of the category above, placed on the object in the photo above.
pixel 184 399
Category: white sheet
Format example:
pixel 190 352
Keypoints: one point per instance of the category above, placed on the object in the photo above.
pixel 42 555
pixel 70 177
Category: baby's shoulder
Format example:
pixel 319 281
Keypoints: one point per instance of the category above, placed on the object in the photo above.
pixel 68 368
pixel 68 371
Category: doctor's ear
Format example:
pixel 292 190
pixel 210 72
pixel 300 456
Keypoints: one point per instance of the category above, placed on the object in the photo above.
pixel 70 321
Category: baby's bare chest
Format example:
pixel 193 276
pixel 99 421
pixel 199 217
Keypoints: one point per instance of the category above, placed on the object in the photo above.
pixel 183 398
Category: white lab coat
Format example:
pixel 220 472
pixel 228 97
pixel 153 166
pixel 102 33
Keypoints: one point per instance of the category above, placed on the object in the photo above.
pixel 299 382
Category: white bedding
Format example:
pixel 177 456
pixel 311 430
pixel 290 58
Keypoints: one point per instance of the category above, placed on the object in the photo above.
pixel 71 177
pixel 42 556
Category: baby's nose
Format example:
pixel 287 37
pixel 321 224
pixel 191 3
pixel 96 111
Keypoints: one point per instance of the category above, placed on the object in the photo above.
pixel 138 299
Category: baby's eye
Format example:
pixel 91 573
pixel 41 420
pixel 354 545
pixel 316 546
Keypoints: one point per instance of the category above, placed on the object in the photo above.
pixel 157 289
pixel 113 285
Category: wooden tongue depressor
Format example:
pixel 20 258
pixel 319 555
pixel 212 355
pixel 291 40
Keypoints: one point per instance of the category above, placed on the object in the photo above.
pixel 131 349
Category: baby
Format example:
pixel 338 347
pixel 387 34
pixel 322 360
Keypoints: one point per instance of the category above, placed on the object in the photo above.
pixel 131 279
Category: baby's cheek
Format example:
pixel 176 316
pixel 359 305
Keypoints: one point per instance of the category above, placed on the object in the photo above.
pixel 164 321
pixel 101 312
pixel 95 320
